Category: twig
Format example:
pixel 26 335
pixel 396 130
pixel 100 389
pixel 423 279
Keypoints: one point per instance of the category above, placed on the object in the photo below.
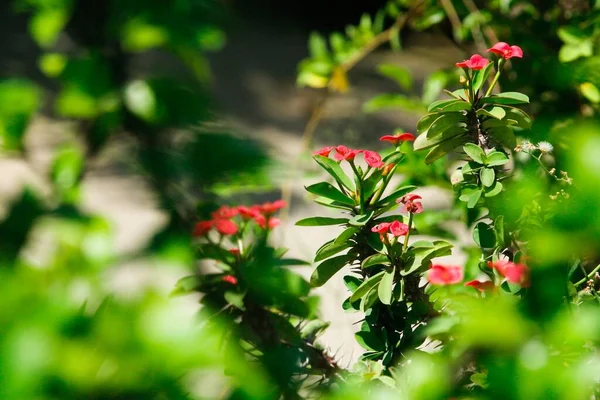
pixel 452 15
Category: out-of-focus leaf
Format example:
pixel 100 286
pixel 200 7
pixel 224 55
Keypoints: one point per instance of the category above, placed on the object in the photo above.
pixel 400 75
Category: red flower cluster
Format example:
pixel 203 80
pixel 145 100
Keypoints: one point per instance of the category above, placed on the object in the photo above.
pixel 506 51
pixel 230 279
pixel 411 205
pixel 222 218
pixel 397 138
pixel 343 153
pixel 445 274
pixel 514 273
pixel 476 62
pixel 395 228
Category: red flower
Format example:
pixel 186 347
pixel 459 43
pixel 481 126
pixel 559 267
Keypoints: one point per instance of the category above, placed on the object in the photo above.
pixel 225 213
pixel 344 153
pixel 397 138
pixel 324 151
pixel 444 274
pixel 202 228
pixel 230 279
pixel 410 203
pixel 373 159
pixel 514 273
pixel 261 220
pixel 381 228
pixel 249 212
pixel 235 252
pixel 271 208
pixel 398 228
pixel 476 62
pixel 505 50
pixel 225 227
pixel 481 286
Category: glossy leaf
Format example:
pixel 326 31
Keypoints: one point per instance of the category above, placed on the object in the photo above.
pixel 481 76
pixel 506 98
pixel 334 169
pixel 484 236
pixel 487 176
pixel 328 268
pixel 494 190
pixel 386 287
pixel 321 221
pixel 327 190
pixel 375 259
pixel 474 198
pixel 361 220
pixel 494 112
pixel 496 158
pixel 504 136
pixel 475 152
pixel 331 248
pixel 366 286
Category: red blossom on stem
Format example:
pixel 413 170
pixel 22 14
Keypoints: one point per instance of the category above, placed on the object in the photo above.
pixel 271 208
pixel 373 159
pixel 225 212
pixel 324 151
pixel 203 227
pixel 249 212
pixel 506 51
pixel 230 279
pixel 397 138
pixel 344 153
pixel 225 227
pixel 514 273
pixel 398 228
pixel 482 286
pixel 444 274
pixel 381 228
pixel 476 62
pixel 261 220
pixel 411 205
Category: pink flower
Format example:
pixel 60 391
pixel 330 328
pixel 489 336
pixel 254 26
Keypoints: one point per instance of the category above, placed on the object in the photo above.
pixel 397 138
pixel 225 227
pixel 505 50
pixel 202 228
pixel 476 62
pixel 373 159
pixel 344 153
pixel 514 273
pixel 482 286
pixel 381 228
pixel 444 274
pixel 271 208
pixel 324 151
pixel 225 213
pixel 249 212
pixel 411 205
pixel 230 279
pixel 398 228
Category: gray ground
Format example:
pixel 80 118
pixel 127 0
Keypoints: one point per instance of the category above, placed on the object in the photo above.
pixel 255 83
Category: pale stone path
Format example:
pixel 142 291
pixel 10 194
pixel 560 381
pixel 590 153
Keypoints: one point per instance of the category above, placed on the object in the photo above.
pixel 254 82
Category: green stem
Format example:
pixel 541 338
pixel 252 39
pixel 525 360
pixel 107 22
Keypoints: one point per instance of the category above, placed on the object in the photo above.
pixel 588 276
pixel 495 81
pixel 386 181
pixel 410 220
pixel 359 187
pixel 471 94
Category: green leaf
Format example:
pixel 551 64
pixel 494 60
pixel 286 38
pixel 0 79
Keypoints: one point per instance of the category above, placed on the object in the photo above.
pixel 400 75
pixel 346 235
pixel 235 298
pixel 352 282
pixel 444 148
pixel 366 286
pixel 504 136
pixel 571 34
pixel 496 158
pixel 289 262
pixel 467 191
pixel 317 45
pixel 331 248
pixel 523 120
pixel 368 300
pixel 332 204
pixel 457 105
pixel 506 98
pixel 334 169
pixel 395 195
pixel 349 306
pixel 484 236
pixel 361 220
pixel 433 86
pixel 386 287
pixel 475 152
pixel 495 112
pixel 425 122
pixel 327 190
pixel 420 257
pixel 499 230
pixel 494 190
pixel 375 242
pixel 422 142
pixel 437 105
pixel 445 122
pixel 46 25
pixel 571 52
pixel 321 221
pixel 369 341
pixel 487 176
pixel 314 328
pixel 328 268
pixel 474 199
pixel 590 92
pixel 375 259
pixel 481 76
